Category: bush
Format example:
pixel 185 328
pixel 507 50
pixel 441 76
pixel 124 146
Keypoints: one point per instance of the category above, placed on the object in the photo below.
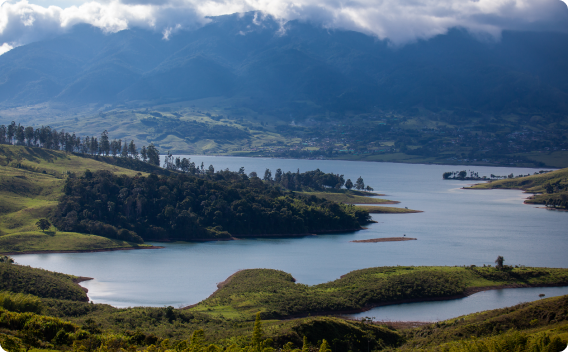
pixel 20 302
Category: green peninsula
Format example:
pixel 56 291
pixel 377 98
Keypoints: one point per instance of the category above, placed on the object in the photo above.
pixel 548 188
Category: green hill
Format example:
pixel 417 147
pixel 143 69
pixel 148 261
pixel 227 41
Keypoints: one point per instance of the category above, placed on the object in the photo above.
pixel 276 295
pixel 39 282
pixel 31 183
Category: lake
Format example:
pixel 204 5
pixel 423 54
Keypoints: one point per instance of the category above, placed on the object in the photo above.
pixel 457 227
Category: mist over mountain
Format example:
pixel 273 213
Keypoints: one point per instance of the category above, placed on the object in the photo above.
pixel 298 65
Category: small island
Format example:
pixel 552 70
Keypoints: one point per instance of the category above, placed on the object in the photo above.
pixel 385 239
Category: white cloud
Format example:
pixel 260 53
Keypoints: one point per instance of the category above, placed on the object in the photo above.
pixel 400 21
pixel 4 48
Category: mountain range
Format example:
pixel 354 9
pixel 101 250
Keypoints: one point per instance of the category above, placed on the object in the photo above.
pixel 296 65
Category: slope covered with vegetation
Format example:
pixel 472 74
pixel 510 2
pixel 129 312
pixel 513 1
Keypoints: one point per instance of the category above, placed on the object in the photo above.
pixel 39 282
pixel 31 184
pixel 551 188
pixel 276 294
pixel 66 322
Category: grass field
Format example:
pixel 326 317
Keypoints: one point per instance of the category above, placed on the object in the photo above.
pixel 350 197
pixel 31 182
pixel 534 183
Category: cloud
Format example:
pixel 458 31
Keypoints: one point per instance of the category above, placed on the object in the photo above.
pixel 399 21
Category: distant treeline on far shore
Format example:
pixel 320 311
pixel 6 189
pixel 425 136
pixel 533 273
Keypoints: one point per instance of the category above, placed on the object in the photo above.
pixel 48 138
pixel 463 175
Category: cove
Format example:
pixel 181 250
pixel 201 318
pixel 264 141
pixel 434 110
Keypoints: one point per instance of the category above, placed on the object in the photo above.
pixel 442 310
pixel 457 227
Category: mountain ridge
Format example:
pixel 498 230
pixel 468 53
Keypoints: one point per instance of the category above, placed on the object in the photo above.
pixel 338 70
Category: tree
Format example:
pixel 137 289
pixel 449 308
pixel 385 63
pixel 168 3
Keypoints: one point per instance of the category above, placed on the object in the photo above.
pixel 144 154
pixel 105 145
pixel 267 175
pixel 124 153
pixel 11 131
pixel 43 224
pixel 305 347
pixel 369 189
pixel 132 150
pixel 29 134
pixel 3 134
pixel 153 155
pixel 20 135
pixel 359 184
pixel 499 261
pixel 185 165
pixel 257 333
pixel 278 175
pixel 348 184
pixel 324 346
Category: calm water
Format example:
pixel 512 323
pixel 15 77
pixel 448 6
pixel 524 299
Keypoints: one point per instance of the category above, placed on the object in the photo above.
pixel 457 227
pixel 442 310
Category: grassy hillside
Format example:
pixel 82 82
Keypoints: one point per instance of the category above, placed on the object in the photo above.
pixel 552 186
pixel 519 325
pixel 64 322
pixel 31 182
pixel 276 294
pixel 39 282
pixel 542 323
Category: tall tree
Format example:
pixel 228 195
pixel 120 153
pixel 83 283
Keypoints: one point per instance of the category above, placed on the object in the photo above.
pixel 499 262
pixel 20 135
pixel 144 154
pixel 29 134
pixel 348 184
pixel 3 134
pixel 257 333
pixel 267 175
pixel 105 144
pixel 124 153
pixel 11 132
pixel 278 175
pixel 132 150
pixel 153 155
pixel 359 184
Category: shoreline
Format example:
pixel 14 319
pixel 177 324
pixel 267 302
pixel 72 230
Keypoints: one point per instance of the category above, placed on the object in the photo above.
pixel 198 240
pixel 219 285
pixel 341 313
pixel 468 292
pixel 81 251
pixel 261 236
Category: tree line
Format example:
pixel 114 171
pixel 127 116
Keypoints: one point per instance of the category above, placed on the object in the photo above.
pixel 48 138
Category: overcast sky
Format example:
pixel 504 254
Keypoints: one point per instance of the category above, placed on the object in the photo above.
pixel 400 21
